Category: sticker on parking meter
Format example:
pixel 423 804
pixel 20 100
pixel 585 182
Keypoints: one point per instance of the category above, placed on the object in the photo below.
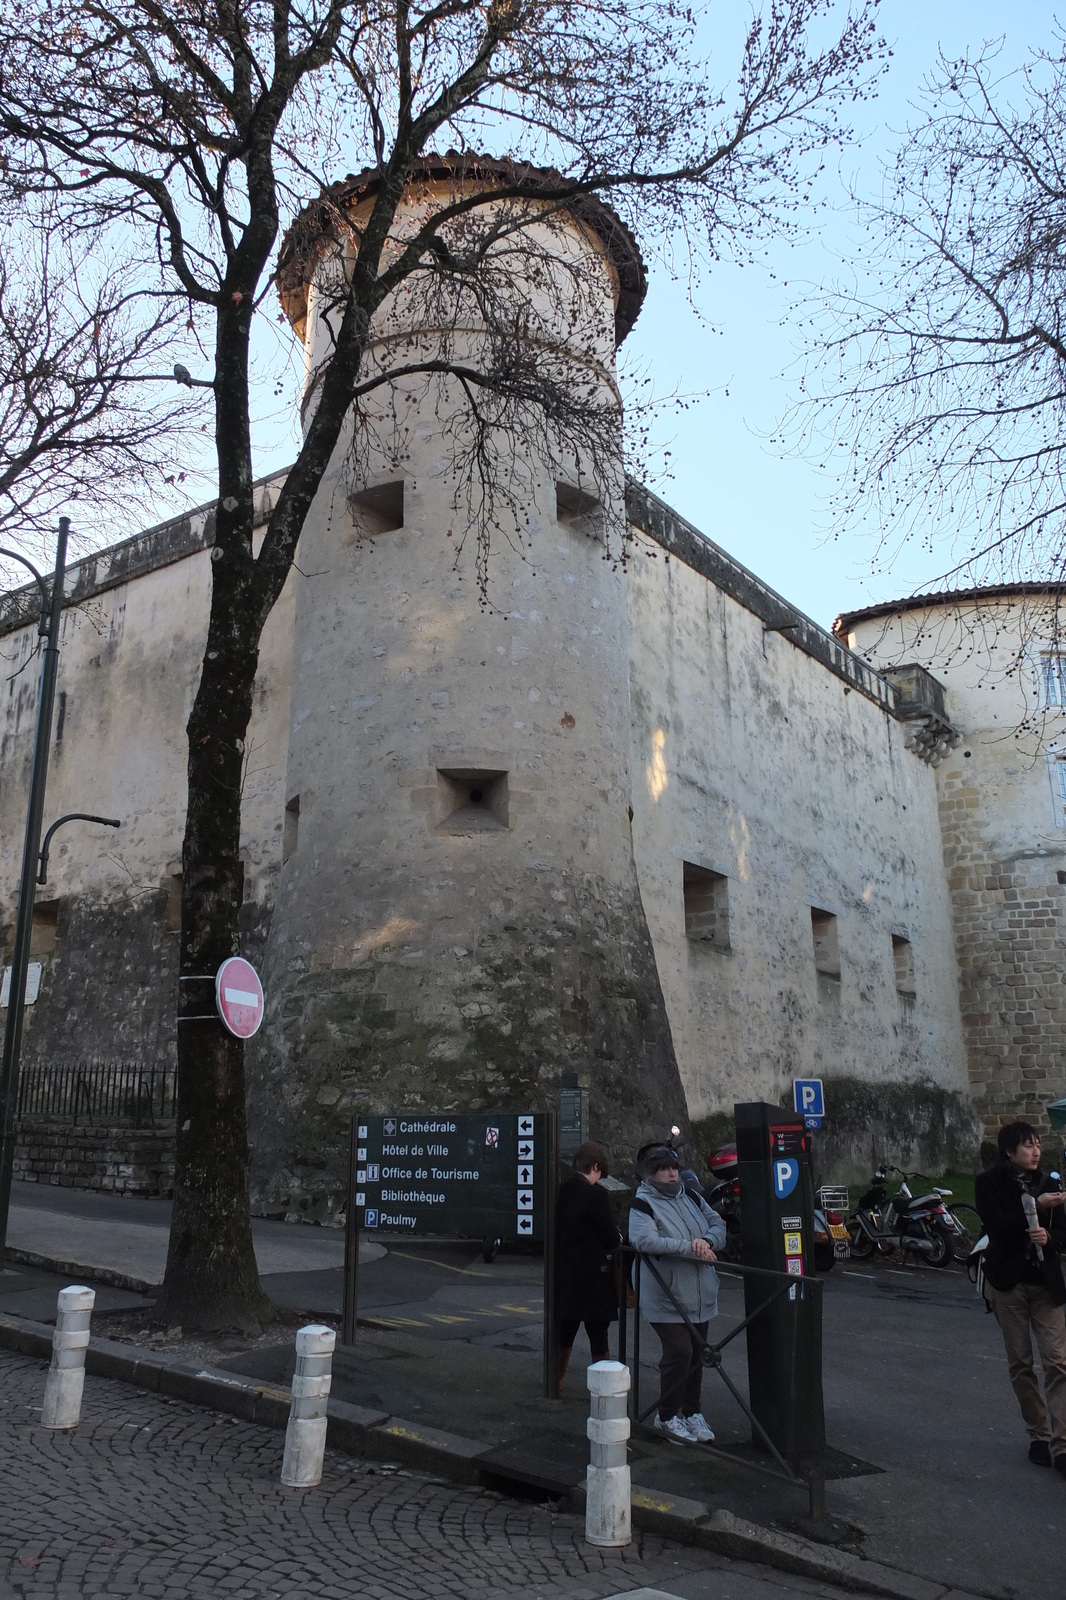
pixel 793 1244
pixel 794 1266
pixel 786 1176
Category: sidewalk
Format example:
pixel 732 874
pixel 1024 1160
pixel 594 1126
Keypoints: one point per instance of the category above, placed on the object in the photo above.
pixel 918 1406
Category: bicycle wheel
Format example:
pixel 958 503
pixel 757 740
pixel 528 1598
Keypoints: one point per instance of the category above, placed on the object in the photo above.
pixel 968 1229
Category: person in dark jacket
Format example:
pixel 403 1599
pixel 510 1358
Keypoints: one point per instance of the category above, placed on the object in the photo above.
pixel 1022 1269
pixel 586 1240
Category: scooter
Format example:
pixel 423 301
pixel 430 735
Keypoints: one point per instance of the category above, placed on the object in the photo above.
pixel 916 1224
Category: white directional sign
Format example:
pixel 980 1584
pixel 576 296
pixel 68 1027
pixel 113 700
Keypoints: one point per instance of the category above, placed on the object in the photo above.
pixel 239 997
pixel 525 1127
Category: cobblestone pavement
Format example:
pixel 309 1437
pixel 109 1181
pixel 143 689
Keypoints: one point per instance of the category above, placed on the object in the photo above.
pixel 153 1497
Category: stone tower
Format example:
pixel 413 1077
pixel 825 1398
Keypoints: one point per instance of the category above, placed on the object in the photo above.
pixel 458 923
pixel 998 654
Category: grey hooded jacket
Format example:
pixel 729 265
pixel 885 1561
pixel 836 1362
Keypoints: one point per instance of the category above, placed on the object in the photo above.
pixel 665 1228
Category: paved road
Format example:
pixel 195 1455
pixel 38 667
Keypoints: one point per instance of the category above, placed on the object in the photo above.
pixel 153 1498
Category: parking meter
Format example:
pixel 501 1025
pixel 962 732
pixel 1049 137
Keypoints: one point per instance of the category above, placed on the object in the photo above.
pixel 777 1233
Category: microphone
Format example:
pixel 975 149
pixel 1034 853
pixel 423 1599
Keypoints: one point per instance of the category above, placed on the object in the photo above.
pixel 1029 1207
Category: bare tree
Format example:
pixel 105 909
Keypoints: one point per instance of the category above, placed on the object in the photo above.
pixel 198 130
pixel 87 418
pixel 941 380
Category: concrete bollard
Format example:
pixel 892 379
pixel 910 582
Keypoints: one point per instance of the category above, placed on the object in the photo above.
pixel 608 1518
pixel 305 1436
pixel 66 1376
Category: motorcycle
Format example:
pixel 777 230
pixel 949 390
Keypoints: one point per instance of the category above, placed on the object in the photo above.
pixel 917 1224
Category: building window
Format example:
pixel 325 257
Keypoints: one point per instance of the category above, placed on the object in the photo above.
pixel 1053 680
pixel 706 906
pixel 826 945
pixel 172 910
pixel 45 928
pixel 472 800
pixel 290 833
pixel 903 959
pixel 579 511
pixel 377 510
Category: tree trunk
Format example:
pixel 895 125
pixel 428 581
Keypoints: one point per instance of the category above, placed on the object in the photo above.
pixel 211 1277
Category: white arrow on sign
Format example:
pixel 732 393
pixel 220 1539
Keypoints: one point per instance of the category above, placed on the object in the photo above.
pixel 525 1199
pixel 525 1175
pixel 525 1126
pixel 525 1225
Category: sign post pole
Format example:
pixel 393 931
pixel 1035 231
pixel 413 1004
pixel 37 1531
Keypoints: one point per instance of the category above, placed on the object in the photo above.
pixel 551 1321
pixel 350 1309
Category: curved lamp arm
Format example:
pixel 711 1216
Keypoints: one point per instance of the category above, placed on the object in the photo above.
pixel 13 555
pixel 71 816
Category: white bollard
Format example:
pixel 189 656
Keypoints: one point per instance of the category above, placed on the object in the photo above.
pixel 66 1376
pixel 608 1519
pixel 305 1436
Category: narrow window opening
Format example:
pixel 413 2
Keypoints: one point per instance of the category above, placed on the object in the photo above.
pixel 706 906
pixel 172 912
pixel 826 945
pixel 378 509
pixel 290 834
pixel 472 800
pixel 903 959
pixel 45 929
pixel 578 510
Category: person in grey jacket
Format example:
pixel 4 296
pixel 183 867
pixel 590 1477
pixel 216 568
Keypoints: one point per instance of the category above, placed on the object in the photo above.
pixel 683 1233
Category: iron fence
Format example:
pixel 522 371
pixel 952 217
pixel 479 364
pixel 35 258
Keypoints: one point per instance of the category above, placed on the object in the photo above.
pixel 118 1093
pixel 775 1286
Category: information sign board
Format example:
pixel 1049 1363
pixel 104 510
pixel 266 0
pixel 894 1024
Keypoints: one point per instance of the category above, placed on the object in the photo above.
pixel 460 1176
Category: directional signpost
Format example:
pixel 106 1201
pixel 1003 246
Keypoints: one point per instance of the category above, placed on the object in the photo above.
pixel 486 1175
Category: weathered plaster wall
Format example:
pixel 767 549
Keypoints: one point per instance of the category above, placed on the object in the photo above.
pixel 130 652
pixel 753 761
pixel 1003 821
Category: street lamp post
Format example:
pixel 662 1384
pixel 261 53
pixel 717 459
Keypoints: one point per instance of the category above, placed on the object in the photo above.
pixel 51 616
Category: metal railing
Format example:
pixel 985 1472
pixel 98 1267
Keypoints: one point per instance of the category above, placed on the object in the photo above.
pixel 117 1093
pixel 786 1289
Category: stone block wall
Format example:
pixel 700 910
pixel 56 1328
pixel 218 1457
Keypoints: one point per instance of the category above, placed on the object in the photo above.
pixel 1008 916
pixel 117 1160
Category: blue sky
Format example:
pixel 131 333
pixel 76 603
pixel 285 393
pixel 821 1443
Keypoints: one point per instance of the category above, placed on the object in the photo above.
pixel 768 510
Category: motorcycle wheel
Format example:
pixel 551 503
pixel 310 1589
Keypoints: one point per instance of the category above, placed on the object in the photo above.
pixel 862 1246
pixel 942 1253
pixel 968 1229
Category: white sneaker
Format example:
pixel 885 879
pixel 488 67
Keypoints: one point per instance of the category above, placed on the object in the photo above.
pixel 697 1427
pixel 676 1430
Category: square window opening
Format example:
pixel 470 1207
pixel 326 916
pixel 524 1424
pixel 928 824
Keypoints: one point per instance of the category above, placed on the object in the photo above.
pixel 378 509
pixel 706 906
pixel 45 928
pixel 826 944
pixel 578 511
pixel 903 959
pixel 472 800
pixel 290 833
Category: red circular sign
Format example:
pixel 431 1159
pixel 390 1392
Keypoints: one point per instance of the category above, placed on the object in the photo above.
pixel 239 997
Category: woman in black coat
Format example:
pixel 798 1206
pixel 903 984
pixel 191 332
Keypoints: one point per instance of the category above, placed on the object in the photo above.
pixel 586 1238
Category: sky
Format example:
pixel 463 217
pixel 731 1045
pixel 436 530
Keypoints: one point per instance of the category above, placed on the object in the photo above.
pixel 769 510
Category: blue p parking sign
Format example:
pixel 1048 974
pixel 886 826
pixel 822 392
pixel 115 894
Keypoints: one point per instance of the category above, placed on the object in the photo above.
pixel 786 1175
pixel 807 1097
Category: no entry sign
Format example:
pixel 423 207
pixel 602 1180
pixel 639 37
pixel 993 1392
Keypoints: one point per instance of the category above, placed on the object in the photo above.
pixel 239 997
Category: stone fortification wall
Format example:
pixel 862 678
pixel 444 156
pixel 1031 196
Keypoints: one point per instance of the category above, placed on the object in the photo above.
pixel 789 861
pixel 1003 822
